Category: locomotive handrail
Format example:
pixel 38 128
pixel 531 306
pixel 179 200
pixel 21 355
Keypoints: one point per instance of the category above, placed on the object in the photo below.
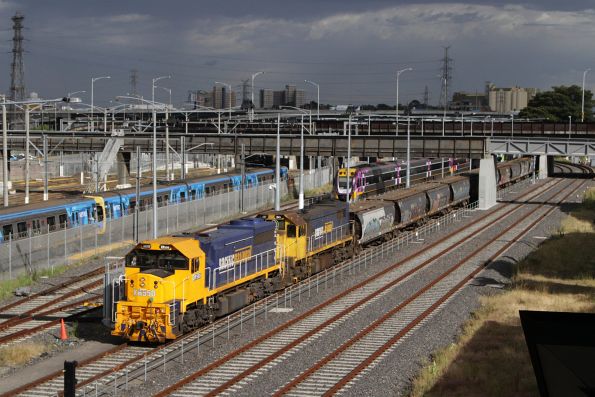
pixel 323 240
pixel 264 262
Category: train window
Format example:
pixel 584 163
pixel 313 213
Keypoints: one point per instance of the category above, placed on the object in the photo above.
pixel 192 195
pixel 159 201
pixel 166 198
pixel 182 196
pixel 51 221
pixel 35 226
pixel 291 231
pixel 302 231
pixel 280 225
pixel 195 265
pixel 63 220
pixel 167 260
pixel 22 228
pixel 6 231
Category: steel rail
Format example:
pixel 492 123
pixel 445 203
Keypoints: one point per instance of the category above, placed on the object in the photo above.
pixel 317 308
pixel 53 289
pixel 380 321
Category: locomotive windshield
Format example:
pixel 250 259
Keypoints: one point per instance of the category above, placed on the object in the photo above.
pixel 343 182
pixel 147 259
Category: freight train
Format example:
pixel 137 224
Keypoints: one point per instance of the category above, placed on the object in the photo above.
pixel 39 218
pixel 175 284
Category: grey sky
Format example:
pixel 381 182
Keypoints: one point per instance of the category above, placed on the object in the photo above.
pixel 352 48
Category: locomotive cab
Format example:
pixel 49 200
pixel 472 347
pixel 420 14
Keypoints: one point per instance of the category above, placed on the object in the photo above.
pixel 342 181
pixel 160 277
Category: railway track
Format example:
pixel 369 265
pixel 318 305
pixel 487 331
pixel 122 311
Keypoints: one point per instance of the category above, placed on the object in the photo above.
pixel 134 366
pixel 213 330
pixel 191 341
pixel 26 324
pixel 577 170
pixel 357 355
pixel 25 317
pixel 229 373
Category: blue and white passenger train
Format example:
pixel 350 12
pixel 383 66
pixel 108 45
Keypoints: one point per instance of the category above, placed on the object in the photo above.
pixel 39 218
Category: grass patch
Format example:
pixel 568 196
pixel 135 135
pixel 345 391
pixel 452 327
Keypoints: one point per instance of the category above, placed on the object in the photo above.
pixel 18 354
pixel 7 287
pixel 319 191
pixel 490 357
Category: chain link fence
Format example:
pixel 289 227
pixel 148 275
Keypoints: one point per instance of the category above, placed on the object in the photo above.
pixel 63 247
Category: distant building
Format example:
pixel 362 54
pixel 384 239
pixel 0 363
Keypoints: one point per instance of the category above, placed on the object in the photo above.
pixel 278 99
pixel 266 99
pixel 221 97
pixel 293 96
pixel 507 100
pixel 469 101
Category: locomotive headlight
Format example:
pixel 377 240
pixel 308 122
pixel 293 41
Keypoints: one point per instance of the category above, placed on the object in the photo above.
pixel 142 284
pixel 155 284
pixel 131 282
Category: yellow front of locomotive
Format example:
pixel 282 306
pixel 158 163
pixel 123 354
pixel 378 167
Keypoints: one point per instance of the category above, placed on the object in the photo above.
pixel 161 276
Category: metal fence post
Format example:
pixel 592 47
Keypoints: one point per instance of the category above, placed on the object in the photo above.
pixel 10 256
pixel 48 248
pixel 30 248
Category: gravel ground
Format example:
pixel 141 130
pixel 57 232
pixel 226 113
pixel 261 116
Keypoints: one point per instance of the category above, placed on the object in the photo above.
pixel 175 371
pixel 393 375
pixel 74 271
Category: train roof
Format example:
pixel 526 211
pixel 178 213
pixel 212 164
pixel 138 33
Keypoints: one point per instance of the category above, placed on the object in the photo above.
pixel 398 194
pixel 452 179
pixel 367 204
pixel 322 208
pixel 164 186
pixel 185 244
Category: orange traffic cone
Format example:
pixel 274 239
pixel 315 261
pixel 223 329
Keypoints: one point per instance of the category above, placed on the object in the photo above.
pixel 63 334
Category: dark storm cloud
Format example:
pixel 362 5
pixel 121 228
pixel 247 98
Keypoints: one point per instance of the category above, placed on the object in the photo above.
pixel 352 48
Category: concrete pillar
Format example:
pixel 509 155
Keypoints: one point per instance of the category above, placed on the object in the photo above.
pixel 61 163
pixel 543 167
pixel 121 164
pixel 293 162
pixel 487 183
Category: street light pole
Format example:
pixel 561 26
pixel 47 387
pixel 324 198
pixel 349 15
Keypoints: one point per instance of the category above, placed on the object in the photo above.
pixel 278 167
pixel 93 80
pixel 4 155
pixel 348 195
pixel 26 154
pixel 252 93
pixel 407 181
pixel 301 194
pixel 583 101
pixel 155 224
pixel 397 107
pixel 317 97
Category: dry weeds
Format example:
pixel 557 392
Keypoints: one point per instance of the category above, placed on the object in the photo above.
pixel 490 358
pixel 19 354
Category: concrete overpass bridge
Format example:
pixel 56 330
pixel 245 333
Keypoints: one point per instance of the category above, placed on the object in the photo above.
pixel 427 145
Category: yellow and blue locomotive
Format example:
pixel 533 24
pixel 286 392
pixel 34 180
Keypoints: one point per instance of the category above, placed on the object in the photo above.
pixel 172 285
